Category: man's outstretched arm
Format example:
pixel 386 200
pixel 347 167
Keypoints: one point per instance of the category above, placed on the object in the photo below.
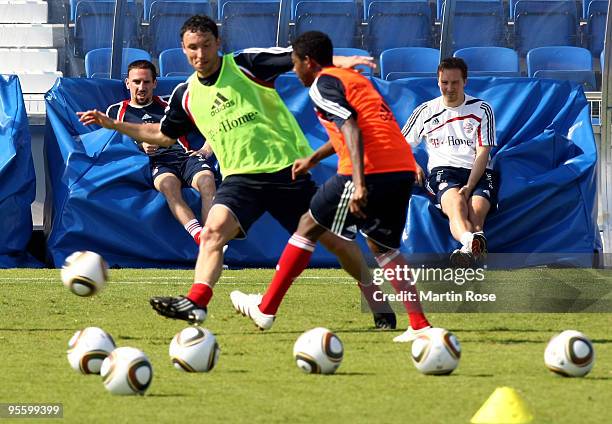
pixel 147 133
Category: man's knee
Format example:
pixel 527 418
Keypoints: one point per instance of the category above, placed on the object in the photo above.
pixel 168 184
pixel 220 227
pixel 204 182
pixel 212 237
pixel 309 228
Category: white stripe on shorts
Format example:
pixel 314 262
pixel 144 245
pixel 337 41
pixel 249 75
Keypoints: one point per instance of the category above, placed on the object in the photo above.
pixel 342 210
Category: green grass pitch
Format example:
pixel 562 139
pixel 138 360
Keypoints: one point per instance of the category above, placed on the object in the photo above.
pixel 256 379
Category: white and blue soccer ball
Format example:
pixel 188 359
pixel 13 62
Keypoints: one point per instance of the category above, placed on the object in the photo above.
pixel 570 354
pixel 436 352
pixel 87 349
pixel 84 273
pixel 126 371
pixel 318 351
pixel 194 349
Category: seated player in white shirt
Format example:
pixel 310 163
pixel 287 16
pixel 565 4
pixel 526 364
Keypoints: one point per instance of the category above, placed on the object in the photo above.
pixel 459 131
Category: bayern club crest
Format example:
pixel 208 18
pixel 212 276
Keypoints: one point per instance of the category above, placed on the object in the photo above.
pixel 468 127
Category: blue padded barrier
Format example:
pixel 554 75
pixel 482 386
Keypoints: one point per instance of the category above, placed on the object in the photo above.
pixel 18 188
pixel 546 157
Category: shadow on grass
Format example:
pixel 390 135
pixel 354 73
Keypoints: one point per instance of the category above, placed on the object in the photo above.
pixel 300 331
pixel 503 329
pixel 167 395
pixel 354 373
pixel 36 329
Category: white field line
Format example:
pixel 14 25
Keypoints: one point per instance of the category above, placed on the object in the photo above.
pixel 54 280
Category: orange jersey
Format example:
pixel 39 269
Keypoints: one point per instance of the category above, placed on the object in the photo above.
pixel 385 148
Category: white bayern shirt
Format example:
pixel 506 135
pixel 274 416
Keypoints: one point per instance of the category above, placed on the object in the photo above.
pixel 451 133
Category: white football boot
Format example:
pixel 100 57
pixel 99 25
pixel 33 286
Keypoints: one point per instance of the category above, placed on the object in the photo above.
pixel 410 335
pixel 248 305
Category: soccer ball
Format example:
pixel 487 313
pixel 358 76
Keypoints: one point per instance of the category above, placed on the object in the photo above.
pixel 436 352
pixel 194 349
pixel 88 348
pixel 126 371
pixel 318 351
pixel 570 354
pixel 84 273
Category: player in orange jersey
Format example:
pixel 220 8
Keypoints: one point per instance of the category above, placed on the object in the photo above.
pixel 370 193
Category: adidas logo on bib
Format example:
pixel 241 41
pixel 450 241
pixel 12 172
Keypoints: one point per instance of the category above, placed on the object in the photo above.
pixel 221 103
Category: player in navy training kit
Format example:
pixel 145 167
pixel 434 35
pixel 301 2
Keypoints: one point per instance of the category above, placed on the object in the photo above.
pixel 173 167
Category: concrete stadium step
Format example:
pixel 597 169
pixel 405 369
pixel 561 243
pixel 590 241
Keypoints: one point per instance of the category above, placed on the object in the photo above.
pixel 31 35
pixel 37 82
pixel 23 11
pixel 26 60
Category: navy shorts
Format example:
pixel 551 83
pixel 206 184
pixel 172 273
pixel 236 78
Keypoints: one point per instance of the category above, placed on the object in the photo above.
pixel 249 196
pixel 443 178
pixel 386 210
pixel 184 167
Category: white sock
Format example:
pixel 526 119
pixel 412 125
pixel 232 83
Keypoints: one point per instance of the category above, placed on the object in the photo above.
pixel 466 238
pixel 193 227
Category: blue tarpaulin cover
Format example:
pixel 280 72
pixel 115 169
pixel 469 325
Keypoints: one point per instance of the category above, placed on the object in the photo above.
pixel 103 200
pixel 17 178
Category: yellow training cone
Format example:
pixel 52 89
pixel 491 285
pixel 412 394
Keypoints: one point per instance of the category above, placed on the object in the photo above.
pixel 504 405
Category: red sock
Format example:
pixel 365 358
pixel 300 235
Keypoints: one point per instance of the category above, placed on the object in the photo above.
pixel 197 235
pixel 200 294
pixel 391 260
pixel 292 262
pixel 194 228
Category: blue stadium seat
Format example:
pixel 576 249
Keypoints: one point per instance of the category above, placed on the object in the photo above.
pixel 440 7
pixel 539 23
pixel 411 61
pixel 249 24
pixel 73 5
pixel 486 16
pixel 173 62
pixel 166 20
pixel 97 61
pixel 93 27
pixel 512 6
pixel 221 3
pixel 597 13
pixel 349 51
pixel 295 2
pixel 585 78
pixel 558 58
pixel 392 76
pixel 562 62
pixel 338 19
pixel 208 10
pixel 490 61
pixel 398 24
pixel 367 3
